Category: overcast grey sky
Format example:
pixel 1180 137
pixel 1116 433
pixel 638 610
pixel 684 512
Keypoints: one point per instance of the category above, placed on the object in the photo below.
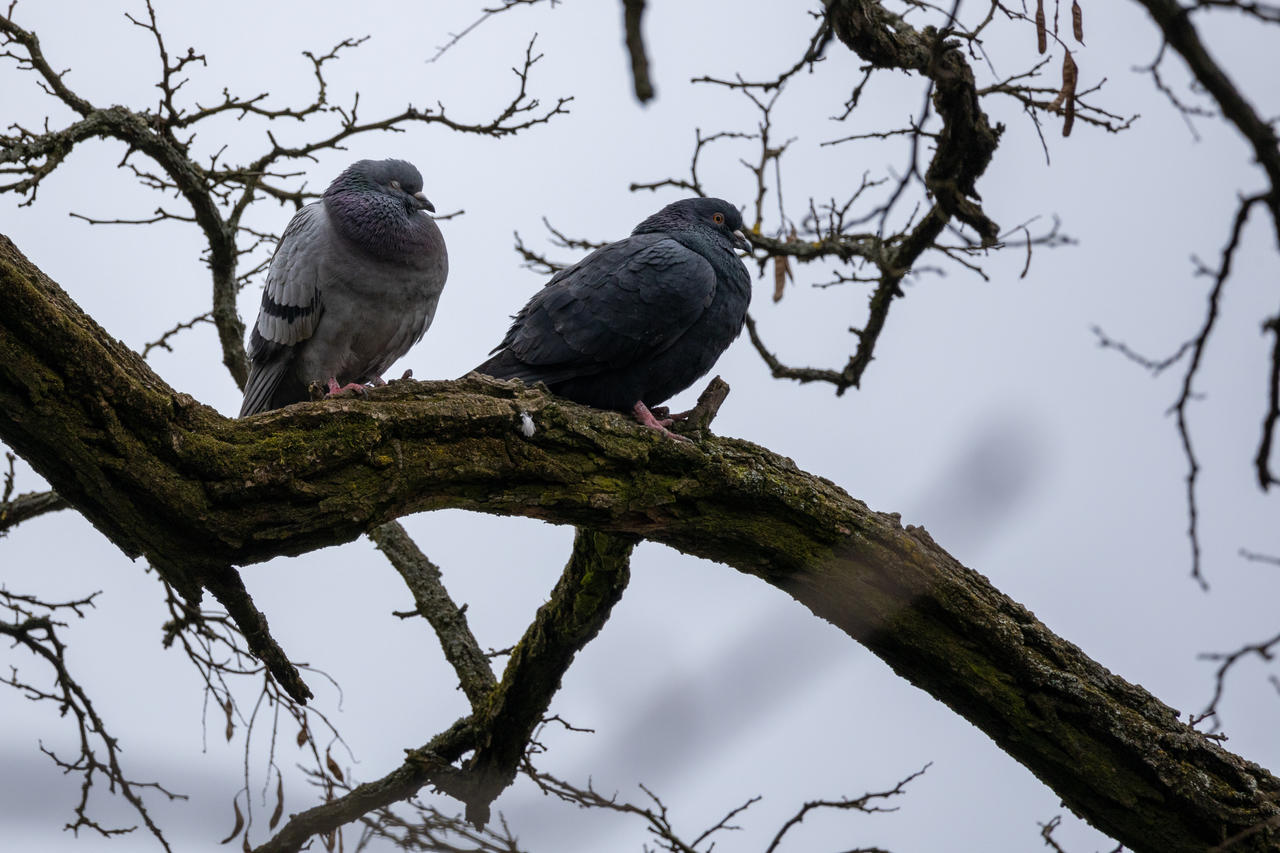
pixel 990 416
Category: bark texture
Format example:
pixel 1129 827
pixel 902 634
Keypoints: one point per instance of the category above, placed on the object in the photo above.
pixel 168 478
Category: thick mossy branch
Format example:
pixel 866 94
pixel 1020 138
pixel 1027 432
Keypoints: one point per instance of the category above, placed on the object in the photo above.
pixel 166 477
pixel 592 583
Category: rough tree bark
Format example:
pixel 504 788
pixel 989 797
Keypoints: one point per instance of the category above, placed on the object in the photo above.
pixel 168 478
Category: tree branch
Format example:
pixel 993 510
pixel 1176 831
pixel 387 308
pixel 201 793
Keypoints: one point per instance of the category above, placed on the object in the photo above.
pixel 868 803
pixel 506 713
pixel 632 21
pixel 30 624
pixel 1179 33
pixel 429 764
pixel 967 140
pixel 28 505
pixel 423 579
pixel 1174 21
pixel 1262 461
pixel 962 149
pixel 166 477
pixel 592 583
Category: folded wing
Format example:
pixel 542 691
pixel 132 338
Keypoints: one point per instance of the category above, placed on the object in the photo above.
pixel 624 303
pixel 292 305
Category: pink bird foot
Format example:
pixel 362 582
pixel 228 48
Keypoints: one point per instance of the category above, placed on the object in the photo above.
pixel 644 416
pixel 335 388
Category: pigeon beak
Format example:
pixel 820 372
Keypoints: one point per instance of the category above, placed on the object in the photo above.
pixel 423 203
pixel 740 242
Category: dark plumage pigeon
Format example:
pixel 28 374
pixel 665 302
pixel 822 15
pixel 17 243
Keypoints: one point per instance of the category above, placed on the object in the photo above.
pixel 353 284
pixel 638 320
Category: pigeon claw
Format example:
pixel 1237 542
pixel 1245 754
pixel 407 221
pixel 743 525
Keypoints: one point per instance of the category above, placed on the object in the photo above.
pixel 645 417
pixel 336 389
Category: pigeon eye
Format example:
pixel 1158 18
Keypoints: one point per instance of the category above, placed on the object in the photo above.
pixel 395 185
pixel 717 218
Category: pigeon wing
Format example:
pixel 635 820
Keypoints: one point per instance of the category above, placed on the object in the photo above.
pixel 624 303
pixel 292 305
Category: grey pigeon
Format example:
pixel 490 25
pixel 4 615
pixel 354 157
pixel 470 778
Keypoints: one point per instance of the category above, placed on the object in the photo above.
pixel 353 284
pixel 638 320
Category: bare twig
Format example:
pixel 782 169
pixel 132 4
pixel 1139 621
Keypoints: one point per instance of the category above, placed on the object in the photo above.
pixel 1201 340
pixel 1268 12
pixel 162 342
pixel 1046 834
pixel 485 15
pixel 812 55
pixel 1254 557
pixel 432 830
pixel 1266 650
pixel 867 804
pixel 1156 366
pixel 1182 36
pixel 1193 350
pixel 31 625
pixel 657 816
pixel 214 645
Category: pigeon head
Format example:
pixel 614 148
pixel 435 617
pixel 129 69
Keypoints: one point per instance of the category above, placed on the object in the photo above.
pixel 398 179
pixel 378 205
pixel 699 214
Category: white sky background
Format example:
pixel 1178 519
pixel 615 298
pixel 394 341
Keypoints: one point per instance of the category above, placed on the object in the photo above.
pixel 990 416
